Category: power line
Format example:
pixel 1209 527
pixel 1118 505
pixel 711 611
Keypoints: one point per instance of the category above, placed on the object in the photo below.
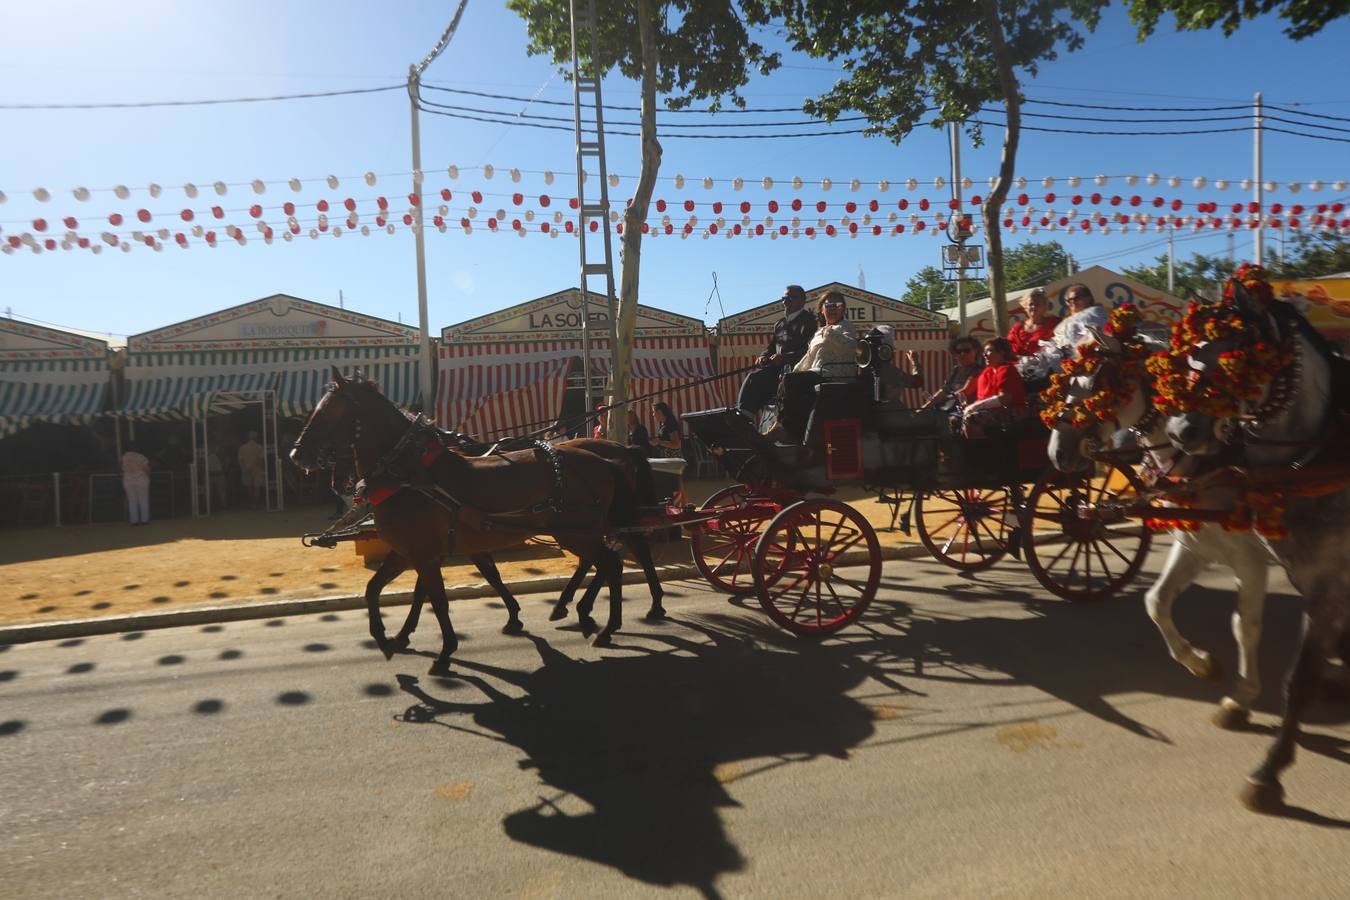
pixel 1246 106
pixel 218 102
pixel 525 115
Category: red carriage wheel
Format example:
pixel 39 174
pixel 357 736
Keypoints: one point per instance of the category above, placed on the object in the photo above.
pixel 1080 542
pixel 723 548
pixel 798 567
pixel 969 528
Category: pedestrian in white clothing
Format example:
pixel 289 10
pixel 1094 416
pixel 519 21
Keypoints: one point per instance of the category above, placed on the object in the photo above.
pixel 136 482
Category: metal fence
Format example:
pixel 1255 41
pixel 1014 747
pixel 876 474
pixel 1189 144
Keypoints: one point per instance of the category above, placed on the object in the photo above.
pixel 78 498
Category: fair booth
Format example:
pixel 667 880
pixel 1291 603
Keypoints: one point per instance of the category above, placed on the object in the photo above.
pixel 520 369
pixel 269 359
pixel 49 377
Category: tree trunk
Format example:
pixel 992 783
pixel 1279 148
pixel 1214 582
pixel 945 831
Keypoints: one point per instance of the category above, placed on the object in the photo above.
pixel 633 218
pixel 993 205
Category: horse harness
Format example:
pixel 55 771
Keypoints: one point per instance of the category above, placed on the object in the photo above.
pixel 408 463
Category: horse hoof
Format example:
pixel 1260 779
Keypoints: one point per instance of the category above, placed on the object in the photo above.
pixel 603 639
pixel 559 613
pixel 513 626
pixel 655 614
pixel 401 642
pixel 440 669
pixel 1210 669
pixel 588 626
pixel 1262 798
pixel 1230 716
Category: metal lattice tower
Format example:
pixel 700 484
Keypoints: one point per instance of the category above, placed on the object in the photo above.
pixel 586 97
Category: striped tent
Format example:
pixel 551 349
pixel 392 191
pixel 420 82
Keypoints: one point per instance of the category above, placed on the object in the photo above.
pixel 667 367
pixel 59 391
pixel 187 385
pixel 491 390
pixel 303 374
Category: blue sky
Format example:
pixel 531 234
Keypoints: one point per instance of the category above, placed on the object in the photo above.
pixel 86 51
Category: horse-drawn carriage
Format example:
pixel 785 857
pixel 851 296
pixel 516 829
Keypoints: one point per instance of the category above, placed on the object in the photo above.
pixel 974 501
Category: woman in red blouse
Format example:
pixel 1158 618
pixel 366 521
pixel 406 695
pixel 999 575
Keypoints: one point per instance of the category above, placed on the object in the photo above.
pixel 998 395
pixel 1026 336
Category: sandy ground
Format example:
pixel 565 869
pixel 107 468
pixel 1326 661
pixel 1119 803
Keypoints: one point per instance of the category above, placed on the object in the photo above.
pixel 86 571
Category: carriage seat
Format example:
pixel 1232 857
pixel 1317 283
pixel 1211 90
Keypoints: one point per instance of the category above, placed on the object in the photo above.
pixel 838 372
pixel 671 467
pixel 838 400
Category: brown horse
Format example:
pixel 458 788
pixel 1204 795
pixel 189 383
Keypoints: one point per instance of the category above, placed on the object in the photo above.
pixel 566 492
pixel 637 473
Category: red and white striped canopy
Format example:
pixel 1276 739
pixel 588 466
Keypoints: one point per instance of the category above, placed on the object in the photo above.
pixel 491 390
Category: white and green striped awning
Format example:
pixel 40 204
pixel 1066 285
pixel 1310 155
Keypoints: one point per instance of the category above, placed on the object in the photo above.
pixel 61 391
pixel 304 373
pixel 190 384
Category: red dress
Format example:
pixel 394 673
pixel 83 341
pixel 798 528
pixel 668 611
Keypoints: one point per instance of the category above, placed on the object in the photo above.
pixel 995 380
pixel 1027 341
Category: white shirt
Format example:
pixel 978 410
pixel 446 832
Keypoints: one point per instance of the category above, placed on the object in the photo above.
pixel 135 469
pixel 1074 328
pixel 831 344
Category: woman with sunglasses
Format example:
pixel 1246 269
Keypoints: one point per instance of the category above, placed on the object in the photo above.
pixel 834 343
pixel 969 363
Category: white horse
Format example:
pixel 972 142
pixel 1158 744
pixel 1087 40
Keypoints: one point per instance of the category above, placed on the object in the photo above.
pixel 1193 551
pixel 1293 438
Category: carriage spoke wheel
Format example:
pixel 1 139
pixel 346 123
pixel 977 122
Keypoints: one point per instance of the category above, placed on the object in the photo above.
pixel 724 547
pixel 798 567
pixel 968 529
pixel 1080 543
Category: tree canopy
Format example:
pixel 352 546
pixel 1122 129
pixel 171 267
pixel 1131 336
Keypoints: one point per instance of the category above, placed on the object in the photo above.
pixel 704 50
pixel 1304 17
pixel 1027 265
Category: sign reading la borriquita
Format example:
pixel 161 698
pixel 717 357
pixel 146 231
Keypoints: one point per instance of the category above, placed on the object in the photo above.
pixel 274 330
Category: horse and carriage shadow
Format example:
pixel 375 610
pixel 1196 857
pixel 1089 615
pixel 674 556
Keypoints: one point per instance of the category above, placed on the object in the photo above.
pixel 812 562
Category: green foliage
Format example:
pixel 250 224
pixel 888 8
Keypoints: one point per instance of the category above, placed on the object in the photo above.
pixel 1198 274
pixel 1305 17
pixel 927 289
pixel 912 62
pixel 1314 256
pixel 704 48
pixel 1027 265
pixel 1306 256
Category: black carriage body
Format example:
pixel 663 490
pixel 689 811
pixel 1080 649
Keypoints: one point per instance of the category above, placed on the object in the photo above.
pixel 852 440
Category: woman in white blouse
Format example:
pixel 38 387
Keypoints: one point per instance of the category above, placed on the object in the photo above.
pixel 834 343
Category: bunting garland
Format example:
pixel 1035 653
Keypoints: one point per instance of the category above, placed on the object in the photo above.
pixel 470 209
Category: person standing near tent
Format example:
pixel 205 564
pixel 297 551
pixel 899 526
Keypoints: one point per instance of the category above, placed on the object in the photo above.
pixel 136 482
pixel 252 468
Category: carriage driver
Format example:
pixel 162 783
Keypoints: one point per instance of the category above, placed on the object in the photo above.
pixel 790 336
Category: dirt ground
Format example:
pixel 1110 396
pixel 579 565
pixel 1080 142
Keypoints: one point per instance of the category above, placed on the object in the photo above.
pixel 87 571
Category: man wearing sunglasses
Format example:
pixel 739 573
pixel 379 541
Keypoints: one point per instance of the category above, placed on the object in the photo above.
pixel 790 336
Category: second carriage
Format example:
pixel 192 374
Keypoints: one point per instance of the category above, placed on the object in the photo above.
pixel 814 561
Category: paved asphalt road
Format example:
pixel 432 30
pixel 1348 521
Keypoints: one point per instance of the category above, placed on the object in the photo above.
pixel 972 738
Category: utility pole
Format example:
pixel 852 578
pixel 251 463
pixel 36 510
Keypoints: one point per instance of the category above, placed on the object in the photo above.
pixel 955 134
pixel 1171 260
pixel 1258 251
pixel 419 239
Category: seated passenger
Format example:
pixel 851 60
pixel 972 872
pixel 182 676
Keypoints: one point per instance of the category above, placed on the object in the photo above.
pixel 834 343
pixel 997 396
pixel 1039 325
pixel 966 350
